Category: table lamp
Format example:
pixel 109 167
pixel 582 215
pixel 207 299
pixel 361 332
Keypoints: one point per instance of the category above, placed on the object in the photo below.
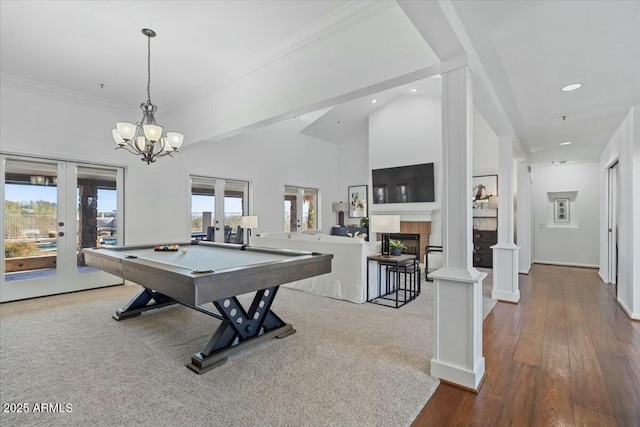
pixel 340 207
pixel 249 222
pixel 385 224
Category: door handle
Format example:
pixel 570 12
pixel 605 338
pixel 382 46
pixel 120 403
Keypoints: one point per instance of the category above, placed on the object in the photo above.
pixel 61 233
pixel 61 224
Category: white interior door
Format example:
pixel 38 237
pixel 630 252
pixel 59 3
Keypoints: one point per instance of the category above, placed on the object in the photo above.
pixel 41 222
pixel 613 223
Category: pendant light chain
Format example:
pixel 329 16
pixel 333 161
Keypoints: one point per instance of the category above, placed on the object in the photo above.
pixel 148 69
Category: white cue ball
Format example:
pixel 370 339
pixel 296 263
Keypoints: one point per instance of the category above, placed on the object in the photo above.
pixel 184 250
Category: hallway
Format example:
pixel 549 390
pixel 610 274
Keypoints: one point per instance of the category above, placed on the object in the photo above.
pixel 567 354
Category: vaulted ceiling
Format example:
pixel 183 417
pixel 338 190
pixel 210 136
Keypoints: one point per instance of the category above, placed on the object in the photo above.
pixel 528 49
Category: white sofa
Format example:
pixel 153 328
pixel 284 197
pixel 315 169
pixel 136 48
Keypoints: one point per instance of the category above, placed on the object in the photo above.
pixel 348 277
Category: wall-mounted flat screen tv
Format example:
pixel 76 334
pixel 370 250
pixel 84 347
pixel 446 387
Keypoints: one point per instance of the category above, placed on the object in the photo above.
pixel 403 184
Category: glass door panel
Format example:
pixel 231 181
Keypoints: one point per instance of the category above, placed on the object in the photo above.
pixel 203 207
pixel 235 195
pixel 300 207
pixel 30 195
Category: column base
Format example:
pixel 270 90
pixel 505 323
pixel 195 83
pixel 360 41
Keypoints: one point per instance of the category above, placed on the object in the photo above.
pixel 505 273
pixel 454 375
pixel 458 327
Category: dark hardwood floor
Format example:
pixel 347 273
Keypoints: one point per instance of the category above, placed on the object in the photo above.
pixel 566 355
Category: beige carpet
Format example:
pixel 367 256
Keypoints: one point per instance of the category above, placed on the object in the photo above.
pixel 348 364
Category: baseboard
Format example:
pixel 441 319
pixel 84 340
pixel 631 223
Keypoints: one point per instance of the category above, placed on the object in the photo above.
pixel 506 296
pixel 628 311
pixel 602 277
pixel 566 264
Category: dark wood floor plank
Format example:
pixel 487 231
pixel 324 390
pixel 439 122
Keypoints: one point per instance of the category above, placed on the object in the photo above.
pixel 498 360
pixel 555 359
pixel 573 303
pixel 442 406
pixel 586 378
pixel 633 357
pixel 602 335
pixel 573 384
pixel 552 402
pixel 529 348
pixel 517 409
pixel 623 388
pixel 494 322
pixel 478 410
pixel 585 417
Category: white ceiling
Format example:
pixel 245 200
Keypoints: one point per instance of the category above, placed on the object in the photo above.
pixel 529 50
pixel 77 45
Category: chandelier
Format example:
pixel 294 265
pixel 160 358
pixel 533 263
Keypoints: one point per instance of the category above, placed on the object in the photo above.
pixel 145 138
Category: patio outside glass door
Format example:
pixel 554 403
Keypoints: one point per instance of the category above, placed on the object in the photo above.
pixel 217 218
pixel 300 209
pixel 53 209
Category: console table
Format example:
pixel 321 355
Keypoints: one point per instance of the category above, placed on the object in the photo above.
pixel 394 268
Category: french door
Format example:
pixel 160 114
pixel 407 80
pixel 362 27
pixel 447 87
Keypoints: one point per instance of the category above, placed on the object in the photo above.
pixel 52 210
pixel 217 217
pixel 300 208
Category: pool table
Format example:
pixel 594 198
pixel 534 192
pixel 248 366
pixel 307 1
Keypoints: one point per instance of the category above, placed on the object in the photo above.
pixel 206 272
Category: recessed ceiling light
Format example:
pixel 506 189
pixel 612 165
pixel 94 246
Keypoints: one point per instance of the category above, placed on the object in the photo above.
pixel 374 101
pixel 566 143
pixel 572 86
pixel 414 90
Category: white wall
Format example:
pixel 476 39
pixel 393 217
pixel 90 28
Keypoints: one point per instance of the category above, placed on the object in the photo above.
pixel 553 243
pixel 408 131
pixel 485 147
pixel 624 147
pixel 157 195
pixel 353 168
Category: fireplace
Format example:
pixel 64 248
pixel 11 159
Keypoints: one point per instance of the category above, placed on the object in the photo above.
pixel 412 228
pixel 410 240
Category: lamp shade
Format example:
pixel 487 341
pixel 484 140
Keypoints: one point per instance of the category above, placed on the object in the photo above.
pixel 385 223
pixel 249 222
pixel 339 207
pixel 126 130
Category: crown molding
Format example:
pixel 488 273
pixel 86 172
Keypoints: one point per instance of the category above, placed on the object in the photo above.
pixel 350 15
pixel 60 94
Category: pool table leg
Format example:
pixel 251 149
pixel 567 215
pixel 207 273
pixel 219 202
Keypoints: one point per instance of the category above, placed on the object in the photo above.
pixel 140 303
pixel 239 329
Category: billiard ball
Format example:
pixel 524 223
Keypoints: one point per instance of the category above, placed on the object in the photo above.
pixel 184 250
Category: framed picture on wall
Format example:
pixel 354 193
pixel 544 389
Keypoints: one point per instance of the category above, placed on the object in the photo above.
pixel 357 201
pixel 561 210
pixel 485 196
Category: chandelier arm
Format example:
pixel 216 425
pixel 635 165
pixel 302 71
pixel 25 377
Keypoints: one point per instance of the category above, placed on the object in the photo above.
pixel 128 148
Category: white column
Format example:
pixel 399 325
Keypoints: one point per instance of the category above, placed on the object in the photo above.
pixel 505 253
pixel 457 355
pixel 523 224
